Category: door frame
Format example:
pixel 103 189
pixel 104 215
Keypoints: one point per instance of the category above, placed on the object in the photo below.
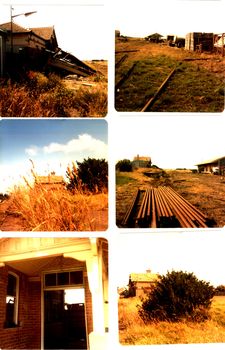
pixel 43 289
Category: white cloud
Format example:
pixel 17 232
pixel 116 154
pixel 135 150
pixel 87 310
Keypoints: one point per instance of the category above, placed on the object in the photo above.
pixel 32 151
pixel 84 144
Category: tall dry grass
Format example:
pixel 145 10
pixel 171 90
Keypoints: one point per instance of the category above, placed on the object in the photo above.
pixel 42 96
pixel 54 208
pixel 133 331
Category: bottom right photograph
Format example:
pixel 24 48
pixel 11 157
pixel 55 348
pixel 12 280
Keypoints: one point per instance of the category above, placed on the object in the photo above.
pixel 171 287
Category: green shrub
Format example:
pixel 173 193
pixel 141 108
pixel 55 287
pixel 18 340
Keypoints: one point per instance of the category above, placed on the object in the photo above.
pixel 91 174
pixel 124 165
pixel 178 295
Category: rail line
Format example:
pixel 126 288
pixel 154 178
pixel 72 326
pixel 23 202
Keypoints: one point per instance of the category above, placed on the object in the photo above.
pixel 149 103
pixel 162 207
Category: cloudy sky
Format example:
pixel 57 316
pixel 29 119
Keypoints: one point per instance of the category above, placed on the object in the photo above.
pixel 144 17
pixel 197 252
pixel 179 141
pixel 80 26
pixel 50 144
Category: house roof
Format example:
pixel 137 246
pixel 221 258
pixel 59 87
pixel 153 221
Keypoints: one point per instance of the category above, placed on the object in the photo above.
pixel 155 35
pixel 143 277
pixel 209 161
pixel 44 32
pixel 15 27
pixel 146 159
pixel 50 179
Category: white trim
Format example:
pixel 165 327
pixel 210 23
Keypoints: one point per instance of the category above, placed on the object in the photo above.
pixel 16 309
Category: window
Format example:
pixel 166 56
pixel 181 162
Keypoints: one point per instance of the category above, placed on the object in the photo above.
pixel 67 278
pixel 12 300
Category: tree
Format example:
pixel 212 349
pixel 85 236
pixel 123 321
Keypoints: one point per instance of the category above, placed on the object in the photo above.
pixel 176 296
pixel 91 175
pixel 124 165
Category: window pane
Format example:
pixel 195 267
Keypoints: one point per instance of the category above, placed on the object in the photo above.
pixel 63 278
pixel 11 302
pixel 76 277
pixel 11 287
pixel 50 279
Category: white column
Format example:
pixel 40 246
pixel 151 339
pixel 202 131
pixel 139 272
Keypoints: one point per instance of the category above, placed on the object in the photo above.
pixel 96 288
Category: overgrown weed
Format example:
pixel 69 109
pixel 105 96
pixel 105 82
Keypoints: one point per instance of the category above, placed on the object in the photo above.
pixel 42 96
pixel 54 208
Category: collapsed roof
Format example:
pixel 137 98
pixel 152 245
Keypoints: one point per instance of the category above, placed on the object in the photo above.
pixel 57 58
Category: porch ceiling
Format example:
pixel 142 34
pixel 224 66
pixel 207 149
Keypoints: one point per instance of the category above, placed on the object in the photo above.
pixel 33 267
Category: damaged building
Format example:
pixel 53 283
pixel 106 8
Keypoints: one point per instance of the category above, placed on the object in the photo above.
pixel 37 49
pixel 199 42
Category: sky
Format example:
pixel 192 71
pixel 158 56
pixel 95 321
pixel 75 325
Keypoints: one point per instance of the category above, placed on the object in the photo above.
pixel 201 253
pixel 180 141
pixel 143 17
pixel 80 26
pixel 50 144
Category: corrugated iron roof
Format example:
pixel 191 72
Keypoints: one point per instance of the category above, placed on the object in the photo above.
pixel 209 161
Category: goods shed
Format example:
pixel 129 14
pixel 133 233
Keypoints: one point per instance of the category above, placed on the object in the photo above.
pixel 197 41
pixel 212 166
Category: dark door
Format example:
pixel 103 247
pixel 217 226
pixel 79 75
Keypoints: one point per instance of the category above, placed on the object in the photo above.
pixel 64 321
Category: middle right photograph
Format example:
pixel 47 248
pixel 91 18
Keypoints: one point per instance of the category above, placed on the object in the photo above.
pixel 171 173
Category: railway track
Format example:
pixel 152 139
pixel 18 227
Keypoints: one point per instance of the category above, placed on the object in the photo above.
pixel 162 207
pixel 150 101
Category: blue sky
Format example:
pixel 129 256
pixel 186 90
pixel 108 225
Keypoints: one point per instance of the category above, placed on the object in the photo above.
pixel 51 144
pixel 78 24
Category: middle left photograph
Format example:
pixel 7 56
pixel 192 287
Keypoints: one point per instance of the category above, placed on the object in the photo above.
pixel 54 175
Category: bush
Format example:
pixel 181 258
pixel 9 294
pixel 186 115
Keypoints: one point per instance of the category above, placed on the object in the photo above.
pixel 91 175
pixel 124 165
pixel 178 295
pixel 220 290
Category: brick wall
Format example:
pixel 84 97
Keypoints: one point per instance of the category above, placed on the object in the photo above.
pixel 88 305
pixel 27 334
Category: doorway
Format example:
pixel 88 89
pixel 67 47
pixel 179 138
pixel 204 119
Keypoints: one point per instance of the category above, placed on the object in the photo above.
pixel 64 319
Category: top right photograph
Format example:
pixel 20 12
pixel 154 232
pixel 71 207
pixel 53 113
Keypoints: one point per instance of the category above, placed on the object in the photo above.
pixel 170 56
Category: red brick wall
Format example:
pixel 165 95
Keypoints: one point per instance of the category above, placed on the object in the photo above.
pixel 88 305
pixel 27 334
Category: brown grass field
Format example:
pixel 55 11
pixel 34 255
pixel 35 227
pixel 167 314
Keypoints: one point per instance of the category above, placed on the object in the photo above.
pixel 133 331
pixel 56 209
pixel 205 191
pixel 196 86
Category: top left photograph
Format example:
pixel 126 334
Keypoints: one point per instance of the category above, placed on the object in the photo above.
pixel 53 61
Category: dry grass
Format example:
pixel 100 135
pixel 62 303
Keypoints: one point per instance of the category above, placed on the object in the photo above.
pixel 38 207
pixel 42 96
pixel 133 331
pixel 58 210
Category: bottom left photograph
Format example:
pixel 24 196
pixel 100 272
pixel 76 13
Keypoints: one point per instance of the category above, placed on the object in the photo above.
pixel 53 293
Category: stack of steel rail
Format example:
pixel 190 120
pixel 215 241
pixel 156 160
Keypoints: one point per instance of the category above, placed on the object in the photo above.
pixel 163 207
